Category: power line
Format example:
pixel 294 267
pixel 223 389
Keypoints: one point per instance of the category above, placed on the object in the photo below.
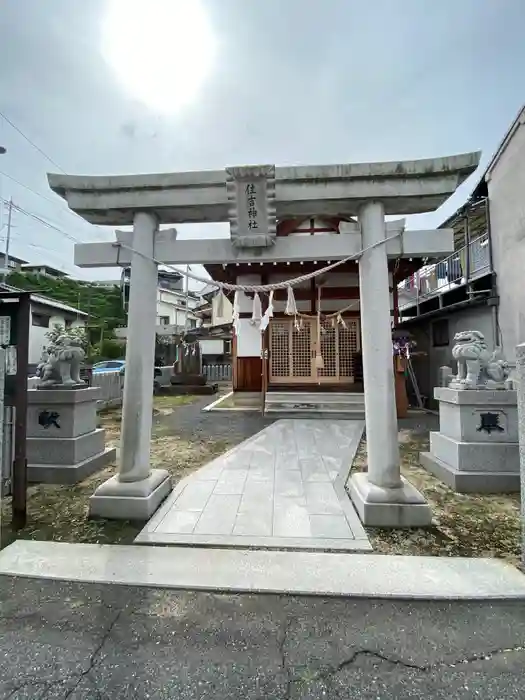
pixel 39 194
pixel 43 221
pixel 32 143
pixel 38 247
pixel 43 196
pixel 46 223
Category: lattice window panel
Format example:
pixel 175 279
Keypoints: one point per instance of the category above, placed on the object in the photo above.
pixel 292 351
pixel 279 349
pixel 349 344
pixel 302 350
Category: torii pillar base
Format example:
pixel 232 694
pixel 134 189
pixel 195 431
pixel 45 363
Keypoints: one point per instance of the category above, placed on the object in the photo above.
pixel 401 507
pixel 133 500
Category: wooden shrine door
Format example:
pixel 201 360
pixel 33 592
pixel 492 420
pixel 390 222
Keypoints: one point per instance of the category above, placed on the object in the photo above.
pixel 292 351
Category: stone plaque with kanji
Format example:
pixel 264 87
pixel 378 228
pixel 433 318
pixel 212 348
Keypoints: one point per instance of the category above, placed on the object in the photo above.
pixel 491 422
pixel 251 197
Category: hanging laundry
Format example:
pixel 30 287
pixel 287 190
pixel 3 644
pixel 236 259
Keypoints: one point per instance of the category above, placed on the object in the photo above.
pixel 432 279
pixel 463 262
pixel 441 270
pixel 454 270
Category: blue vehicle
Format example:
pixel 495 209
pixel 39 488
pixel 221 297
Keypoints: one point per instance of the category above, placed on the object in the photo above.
pixel 109 366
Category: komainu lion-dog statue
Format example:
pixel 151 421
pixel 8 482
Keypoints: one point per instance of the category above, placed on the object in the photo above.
pixel 62 365
pixel 478 368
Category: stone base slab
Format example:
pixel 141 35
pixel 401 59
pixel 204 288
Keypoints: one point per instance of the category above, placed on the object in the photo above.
pixel 471 481
pixel 70 474
pixel 64 450
pixel 66 395
pixel 381 507
pixel 61 420
pixel 476 397
pixel 475 456
pixel 473 423
pixel 258 571
pixel 136 500
pixel 61 413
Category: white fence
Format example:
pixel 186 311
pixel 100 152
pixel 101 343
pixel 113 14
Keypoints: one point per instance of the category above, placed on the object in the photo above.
pixel 218 373
pixel 111 385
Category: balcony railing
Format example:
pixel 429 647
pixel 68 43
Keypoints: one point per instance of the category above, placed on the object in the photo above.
pixel 463 266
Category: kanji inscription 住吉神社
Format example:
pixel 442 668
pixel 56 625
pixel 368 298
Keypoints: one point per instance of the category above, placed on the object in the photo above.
pixel 251 196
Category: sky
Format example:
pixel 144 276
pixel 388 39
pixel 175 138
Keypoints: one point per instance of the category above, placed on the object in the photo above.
pixel 131 86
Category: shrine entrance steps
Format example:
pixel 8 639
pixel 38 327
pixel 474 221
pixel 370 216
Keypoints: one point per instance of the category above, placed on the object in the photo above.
pixel 315 404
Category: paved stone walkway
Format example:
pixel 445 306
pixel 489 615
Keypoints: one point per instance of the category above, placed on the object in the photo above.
pixel 282 488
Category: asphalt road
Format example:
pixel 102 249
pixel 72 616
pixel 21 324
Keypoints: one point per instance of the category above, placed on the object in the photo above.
pixel 80 642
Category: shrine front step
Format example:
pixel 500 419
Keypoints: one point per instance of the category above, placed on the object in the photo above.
pixel 336 405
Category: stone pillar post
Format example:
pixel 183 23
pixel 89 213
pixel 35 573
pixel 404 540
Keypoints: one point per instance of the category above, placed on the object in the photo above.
pixel 137 491
pixel 520 376
pixel 137 405
pixel 381 496
pixel 376 342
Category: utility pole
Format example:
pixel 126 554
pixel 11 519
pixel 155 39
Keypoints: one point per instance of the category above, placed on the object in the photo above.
pixel 7 241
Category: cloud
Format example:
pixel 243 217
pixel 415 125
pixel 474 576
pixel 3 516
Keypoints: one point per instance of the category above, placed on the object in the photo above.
pixel 293 82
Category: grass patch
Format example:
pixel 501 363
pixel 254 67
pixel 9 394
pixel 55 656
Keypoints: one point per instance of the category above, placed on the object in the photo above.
pixel 469 525
pixel 59 513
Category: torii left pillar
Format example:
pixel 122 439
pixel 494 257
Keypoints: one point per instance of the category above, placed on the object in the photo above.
pixel 136 491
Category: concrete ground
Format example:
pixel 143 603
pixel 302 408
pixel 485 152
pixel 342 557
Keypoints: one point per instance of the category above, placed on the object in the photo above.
pixel 192 423
pixel 98 642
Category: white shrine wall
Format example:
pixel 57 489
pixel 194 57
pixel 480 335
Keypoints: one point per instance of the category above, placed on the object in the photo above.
pixel 249 337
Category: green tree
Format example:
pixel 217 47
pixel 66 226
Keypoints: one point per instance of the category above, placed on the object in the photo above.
pixel 102 304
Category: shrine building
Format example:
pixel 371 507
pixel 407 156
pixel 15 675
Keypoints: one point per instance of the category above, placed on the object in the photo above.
pixel 327 324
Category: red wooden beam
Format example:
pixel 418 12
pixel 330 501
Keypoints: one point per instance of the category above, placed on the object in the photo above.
pixel 326 293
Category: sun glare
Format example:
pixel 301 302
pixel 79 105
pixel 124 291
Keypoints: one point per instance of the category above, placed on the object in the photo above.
pixel 160 50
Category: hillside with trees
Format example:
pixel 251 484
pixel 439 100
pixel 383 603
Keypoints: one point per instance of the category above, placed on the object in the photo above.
pixel 103 304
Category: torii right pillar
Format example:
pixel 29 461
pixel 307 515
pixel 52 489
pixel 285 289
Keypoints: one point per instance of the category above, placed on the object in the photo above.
pixel 381 496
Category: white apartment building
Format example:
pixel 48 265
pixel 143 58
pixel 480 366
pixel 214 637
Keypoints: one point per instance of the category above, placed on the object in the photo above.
pixel 175 307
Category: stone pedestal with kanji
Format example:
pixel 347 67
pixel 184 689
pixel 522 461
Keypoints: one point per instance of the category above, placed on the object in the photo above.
pixel 476 449
pixel 64 445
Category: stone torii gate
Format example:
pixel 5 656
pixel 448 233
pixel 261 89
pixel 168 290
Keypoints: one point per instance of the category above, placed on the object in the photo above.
pixel 252 199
